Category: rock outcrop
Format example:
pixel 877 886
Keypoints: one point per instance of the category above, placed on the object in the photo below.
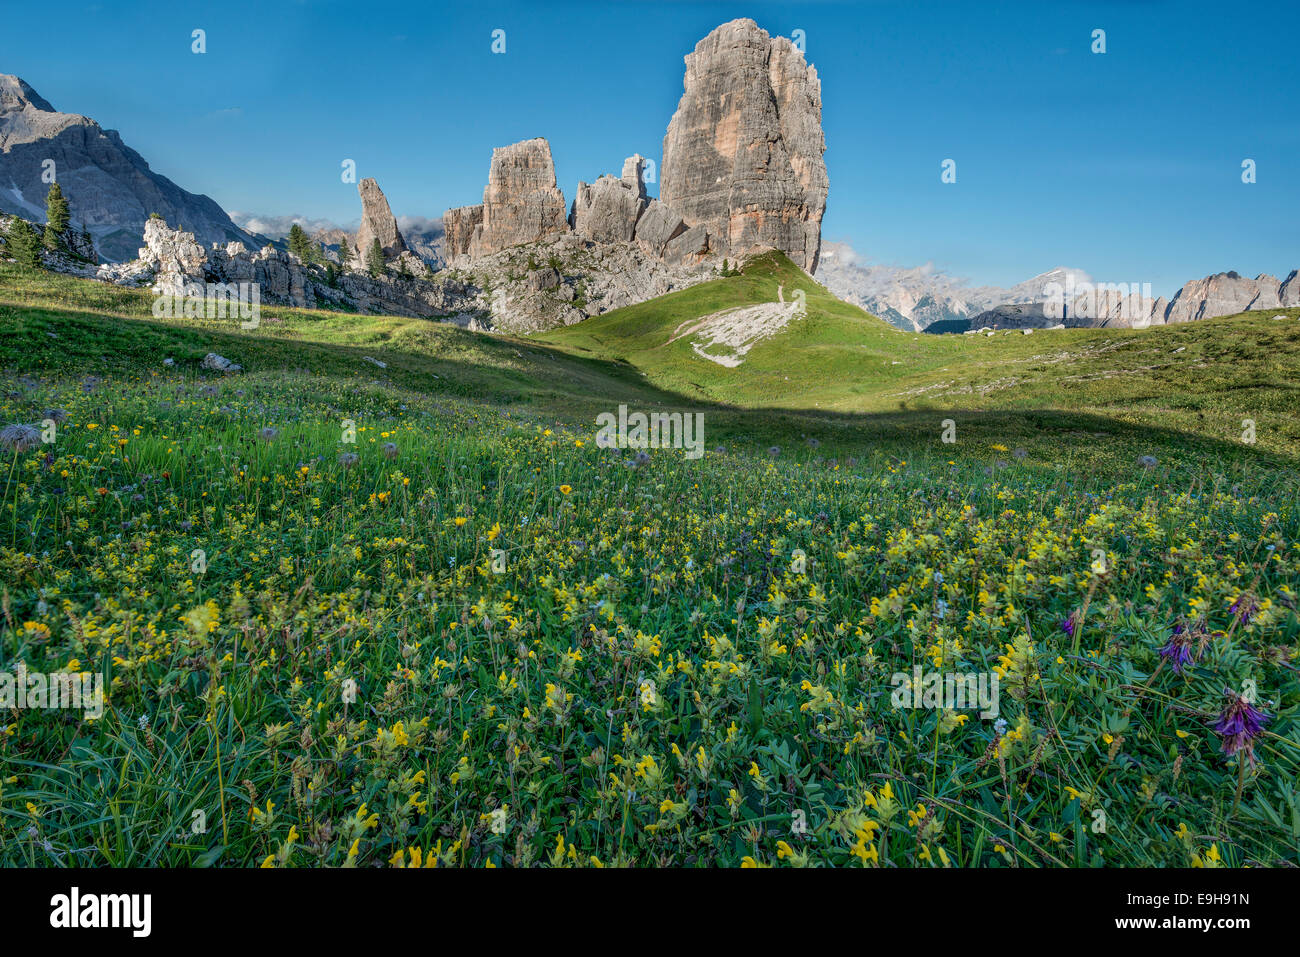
pixel 173 263
pixel 634 174
pixel 522 203
pixel 618 210
pixel 377 222
pixel 607 210
pixel 519 209
pixel 1289 290
pixel 742 172
pixel 110 188
pixel 460 225
pixel 523 288
pixel 1225 293
pixel 567 279
pixel 692 245
pixel 657 227
pixel 176 257
pixel 744 152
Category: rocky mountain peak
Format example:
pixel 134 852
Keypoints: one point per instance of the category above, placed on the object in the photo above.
pixel 1225 293
pixel 743 156
pixel 111 190
pixel 16 95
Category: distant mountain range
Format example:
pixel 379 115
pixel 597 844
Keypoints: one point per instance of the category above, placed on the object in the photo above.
pixel 915 298
pixel 110 188
pixel 925 299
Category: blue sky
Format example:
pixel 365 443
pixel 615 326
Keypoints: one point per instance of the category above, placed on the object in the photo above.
pixel 1125 164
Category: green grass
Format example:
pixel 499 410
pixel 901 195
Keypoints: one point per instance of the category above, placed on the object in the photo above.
pixel 1199 378
pixel 678 660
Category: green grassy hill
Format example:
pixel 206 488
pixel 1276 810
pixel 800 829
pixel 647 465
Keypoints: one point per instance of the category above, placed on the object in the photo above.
pixel 1200 378
pixel 64 325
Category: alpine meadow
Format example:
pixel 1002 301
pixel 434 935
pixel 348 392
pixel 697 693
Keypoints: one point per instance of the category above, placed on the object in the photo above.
pixel 642 528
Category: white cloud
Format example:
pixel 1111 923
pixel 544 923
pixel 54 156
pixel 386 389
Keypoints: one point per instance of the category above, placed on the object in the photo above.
pixel 426 226
pixel 277 227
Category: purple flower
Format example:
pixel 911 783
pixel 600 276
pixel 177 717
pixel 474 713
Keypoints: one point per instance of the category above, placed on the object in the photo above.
pixel 1069 624
pixel 1244 607
pixel 1240 723
pixel 1178 651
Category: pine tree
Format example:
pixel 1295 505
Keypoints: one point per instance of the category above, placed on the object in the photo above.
pixel 24 244
pixel 56 217
pixel 299 245
pixel 345 252
pixel 375 259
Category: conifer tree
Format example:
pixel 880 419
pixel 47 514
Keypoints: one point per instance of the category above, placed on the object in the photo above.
pixel 375 259
pixel 24 244
pixel 299 245
pixel 56 217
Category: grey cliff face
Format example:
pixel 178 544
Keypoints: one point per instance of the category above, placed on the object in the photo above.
pixel 460 224
pixel 1289 289
pixel 634 174
pixel 742 172
pixel 522 206
pixel 110 188
pixel 743 156
pixel 567 279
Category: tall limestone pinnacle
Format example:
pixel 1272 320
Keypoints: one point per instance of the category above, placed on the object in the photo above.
pixel 377 222
pixel 743 156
